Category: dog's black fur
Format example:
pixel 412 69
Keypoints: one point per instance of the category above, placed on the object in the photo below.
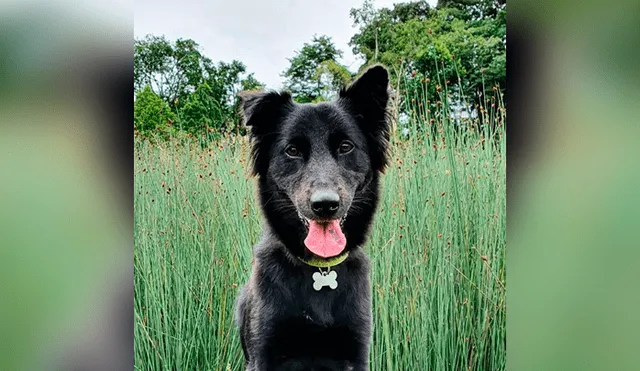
pixel 284 323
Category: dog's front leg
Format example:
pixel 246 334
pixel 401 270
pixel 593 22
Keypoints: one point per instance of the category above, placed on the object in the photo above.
pixel 361 366
pixel 259 363
pixel 260 353
pixel 361 363
pixel 254 366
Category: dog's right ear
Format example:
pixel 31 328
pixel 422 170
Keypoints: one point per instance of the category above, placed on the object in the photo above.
pixel 262 111
pixel 260 108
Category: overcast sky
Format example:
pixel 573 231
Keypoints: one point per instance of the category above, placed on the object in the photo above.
pixel 262 34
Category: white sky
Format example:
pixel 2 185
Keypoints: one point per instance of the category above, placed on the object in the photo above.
pixel 262 34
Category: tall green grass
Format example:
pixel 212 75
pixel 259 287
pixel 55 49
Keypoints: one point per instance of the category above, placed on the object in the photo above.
pixel 437 247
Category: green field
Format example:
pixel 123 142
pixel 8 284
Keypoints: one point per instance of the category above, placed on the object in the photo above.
pixel 437 248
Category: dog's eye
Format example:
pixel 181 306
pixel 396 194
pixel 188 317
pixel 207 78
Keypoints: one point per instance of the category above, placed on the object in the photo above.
pixel 292 151
pixel 345 147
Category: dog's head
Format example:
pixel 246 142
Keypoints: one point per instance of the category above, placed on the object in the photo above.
pixel 318 164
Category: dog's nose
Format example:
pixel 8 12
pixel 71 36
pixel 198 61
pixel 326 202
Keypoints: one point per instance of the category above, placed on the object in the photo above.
pixel 325 203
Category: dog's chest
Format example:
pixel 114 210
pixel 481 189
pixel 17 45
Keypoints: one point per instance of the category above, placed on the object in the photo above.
pixel 319 312
pixel 304 322
pixel 320 307
pixel 325 307
pixel 290 294
pixel 315 333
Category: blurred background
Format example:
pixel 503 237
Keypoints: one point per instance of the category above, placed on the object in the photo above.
pixel 66 238
pixel 66 230
pixel 572 185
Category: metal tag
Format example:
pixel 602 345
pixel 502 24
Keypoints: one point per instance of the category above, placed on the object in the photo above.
pixel 322 279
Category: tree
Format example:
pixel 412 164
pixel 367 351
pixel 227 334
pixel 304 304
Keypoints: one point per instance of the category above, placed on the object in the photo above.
pixel 175 70
pixel 201 111
pixel 151 113
pixel 171 70
pixel 180 75
pixel 307 75
pixel 332 76
pixel 250 83
pixel 475 9
pixel 460 38
pixel 375 38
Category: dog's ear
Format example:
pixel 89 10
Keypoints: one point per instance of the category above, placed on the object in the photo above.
pixel 259 107
pixel 262 111
pixel 366 99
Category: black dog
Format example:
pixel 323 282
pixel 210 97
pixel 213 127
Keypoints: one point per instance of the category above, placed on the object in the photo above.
pixel 307 305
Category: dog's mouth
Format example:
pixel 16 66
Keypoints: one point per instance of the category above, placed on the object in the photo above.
pixel 324 236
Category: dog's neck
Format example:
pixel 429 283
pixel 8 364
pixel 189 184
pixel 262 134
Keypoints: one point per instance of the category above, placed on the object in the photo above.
pixel 326 263
pixel 270 238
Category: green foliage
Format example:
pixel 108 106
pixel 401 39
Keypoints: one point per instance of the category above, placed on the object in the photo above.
pixel 225 79
pixel 474 9
pixel 462 42
pixel 152 114
pixel 201 112
pixel 172 70
pixel 250 83
pixel 314 70
pixel 377 39
pixel 203 93
pixel 332 76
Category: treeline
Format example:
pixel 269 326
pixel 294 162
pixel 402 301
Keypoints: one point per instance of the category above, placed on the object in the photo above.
pixel 458 47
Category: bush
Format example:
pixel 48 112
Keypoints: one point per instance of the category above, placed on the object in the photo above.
pixel 152 115
pixel 201 112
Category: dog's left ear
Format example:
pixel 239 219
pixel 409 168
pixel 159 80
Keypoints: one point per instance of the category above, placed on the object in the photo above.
pixel 366 99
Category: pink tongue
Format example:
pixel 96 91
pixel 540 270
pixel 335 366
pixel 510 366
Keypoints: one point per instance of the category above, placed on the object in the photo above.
pixel 325 240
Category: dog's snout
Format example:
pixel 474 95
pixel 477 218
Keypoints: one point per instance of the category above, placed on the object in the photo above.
pixel 325 203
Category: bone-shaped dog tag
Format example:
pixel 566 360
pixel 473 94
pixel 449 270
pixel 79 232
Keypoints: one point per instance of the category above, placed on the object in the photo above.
pixel 322 279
